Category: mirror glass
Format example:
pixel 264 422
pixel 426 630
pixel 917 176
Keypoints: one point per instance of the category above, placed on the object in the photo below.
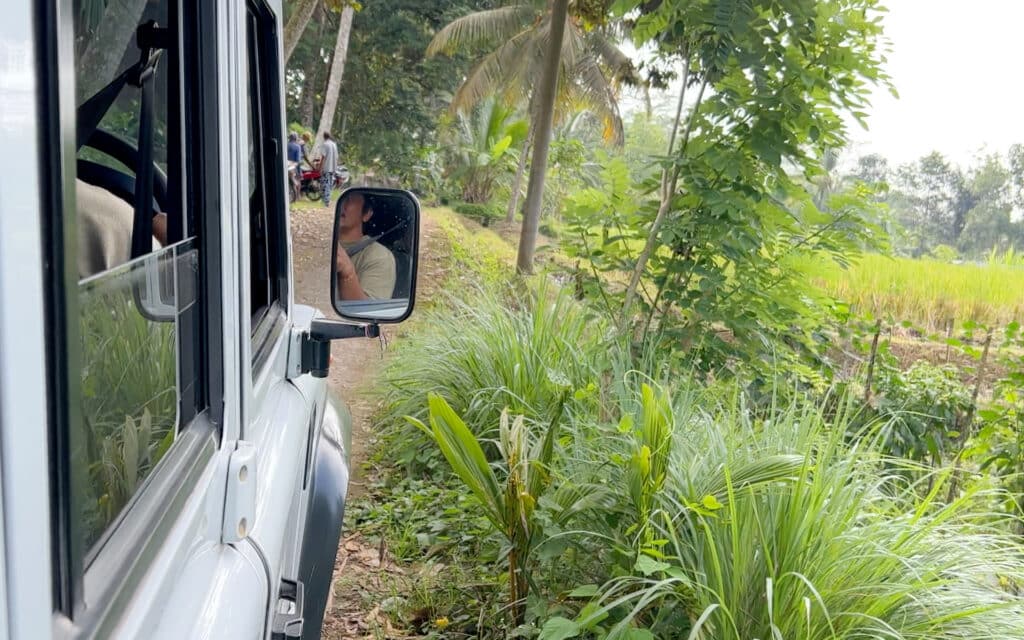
pixel 376 236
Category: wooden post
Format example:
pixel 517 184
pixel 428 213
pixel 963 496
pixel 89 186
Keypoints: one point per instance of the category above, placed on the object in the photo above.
pixel 871 362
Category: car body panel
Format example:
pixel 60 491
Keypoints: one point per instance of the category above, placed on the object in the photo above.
pixel 191 583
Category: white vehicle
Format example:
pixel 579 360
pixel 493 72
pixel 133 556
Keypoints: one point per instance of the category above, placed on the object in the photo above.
pixel 171 463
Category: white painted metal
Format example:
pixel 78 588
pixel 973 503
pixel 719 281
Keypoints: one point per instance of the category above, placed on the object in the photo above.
pixel 26 609
pixel 201 582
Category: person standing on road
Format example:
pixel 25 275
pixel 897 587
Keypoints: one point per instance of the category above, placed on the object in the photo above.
pixel 328 165
pixel 294 160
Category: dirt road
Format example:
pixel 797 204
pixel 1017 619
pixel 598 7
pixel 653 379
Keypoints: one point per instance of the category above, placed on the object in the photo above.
pixel 363 571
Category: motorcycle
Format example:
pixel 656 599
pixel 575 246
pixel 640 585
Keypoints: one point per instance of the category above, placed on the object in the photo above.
pixel 309 182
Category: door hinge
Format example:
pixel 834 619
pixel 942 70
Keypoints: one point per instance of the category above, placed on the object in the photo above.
pixel 240 498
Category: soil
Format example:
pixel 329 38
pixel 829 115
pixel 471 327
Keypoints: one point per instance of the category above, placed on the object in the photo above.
pixel 366 579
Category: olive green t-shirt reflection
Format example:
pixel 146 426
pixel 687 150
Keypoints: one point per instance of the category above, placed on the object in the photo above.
pixel 375 268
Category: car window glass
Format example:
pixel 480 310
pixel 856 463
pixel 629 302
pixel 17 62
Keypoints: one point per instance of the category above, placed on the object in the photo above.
pixel 267 228
pixel 133 313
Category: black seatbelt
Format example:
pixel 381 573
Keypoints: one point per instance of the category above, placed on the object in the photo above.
pixel 368 240
pixel 142 227
pixel 151 40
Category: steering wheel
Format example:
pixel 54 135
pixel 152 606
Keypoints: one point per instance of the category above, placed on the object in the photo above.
pixel 120 184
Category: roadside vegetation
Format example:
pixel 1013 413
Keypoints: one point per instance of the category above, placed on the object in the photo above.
pixel 682 373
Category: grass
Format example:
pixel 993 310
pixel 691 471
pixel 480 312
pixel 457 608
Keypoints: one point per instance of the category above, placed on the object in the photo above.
pixel 705 520
pixel 924 291
pixel 835 547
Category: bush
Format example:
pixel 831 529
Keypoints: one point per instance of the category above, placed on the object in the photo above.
pixel 778 528
pixel 482 213
pixel 922 409
pixel 485 354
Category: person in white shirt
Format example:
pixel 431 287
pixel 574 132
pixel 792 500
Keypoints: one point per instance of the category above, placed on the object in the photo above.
pixel 328 165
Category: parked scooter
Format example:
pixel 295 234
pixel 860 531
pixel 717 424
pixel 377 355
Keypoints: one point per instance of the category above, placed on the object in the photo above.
pixel 309 184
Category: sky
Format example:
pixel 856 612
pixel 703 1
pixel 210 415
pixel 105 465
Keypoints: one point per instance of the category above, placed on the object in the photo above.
pixel 957 66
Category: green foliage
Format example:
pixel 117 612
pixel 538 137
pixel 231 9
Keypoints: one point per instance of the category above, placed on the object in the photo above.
pixel 934 203
pixel 923 410
pixel 825 545
pixel 526 462
pixel 520 354
pixel 507 39
pixel 727 218
pixel 392 95
pixel 482 145
pixel 482 212
pixel 944 253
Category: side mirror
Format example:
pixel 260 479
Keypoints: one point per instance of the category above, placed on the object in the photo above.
pixel 375 254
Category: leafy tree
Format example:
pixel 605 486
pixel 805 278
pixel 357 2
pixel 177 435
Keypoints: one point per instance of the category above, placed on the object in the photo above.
pixel 941 204
pixel 940 196
pixel 872 169
pixel 587 62
pixel 392 96
pixel 763 88
pixel 1017 173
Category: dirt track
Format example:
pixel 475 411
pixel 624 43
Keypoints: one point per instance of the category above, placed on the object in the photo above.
pixel 364 574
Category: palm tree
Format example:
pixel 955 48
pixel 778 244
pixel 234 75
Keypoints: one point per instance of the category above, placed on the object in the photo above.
pixel 589 66
pixel 480 145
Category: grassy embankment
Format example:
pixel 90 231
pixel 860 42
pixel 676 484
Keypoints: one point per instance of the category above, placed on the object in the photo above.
pixel 615 546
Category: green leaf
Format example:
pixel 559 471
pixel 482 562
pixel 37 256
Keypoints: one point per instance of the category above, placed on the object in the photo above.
pixel 500 147
pixel 466 457
pixel 559 628
pixel 585 591
pixel 711 503
pixel 648 565
pixel 634 633
pixel 626 423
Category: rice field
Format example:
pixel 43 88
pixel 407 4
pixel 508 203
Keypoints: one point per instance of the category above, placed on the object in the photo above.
pixel 924 291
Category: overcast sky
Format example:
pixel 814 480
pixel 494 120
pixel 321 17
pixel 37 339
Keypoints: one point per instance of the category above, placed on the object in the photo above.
pixel 957 68
pixel 956 65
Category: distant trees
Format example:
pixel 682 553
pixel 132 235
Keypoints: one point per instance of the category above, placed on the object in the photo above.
pixel 934 202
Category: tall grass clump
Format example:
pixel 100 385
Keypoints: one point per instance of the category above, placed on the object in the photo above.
pixel 779 529
pixel 484 354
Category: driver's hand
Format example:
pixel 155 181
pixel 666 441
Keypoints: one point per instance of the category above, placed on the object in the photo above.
pixel 160 228
pixel 343 264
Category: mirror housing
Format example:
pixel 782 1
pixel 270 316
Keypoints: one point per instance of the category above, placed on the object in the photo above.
pixel 374 255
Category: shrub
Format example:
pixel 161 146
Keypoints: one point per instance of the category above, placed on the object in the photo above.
pixel 922 409
pixel 820 543
pixel 482 213
pixel 483 355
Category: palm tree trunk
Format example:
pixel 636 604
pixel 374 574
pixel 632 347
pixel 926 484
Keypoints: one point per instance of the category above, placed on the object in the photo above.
pixel 301 14
pixel 517 183
pixel 542 138
pixel 337 70
pixel 313 77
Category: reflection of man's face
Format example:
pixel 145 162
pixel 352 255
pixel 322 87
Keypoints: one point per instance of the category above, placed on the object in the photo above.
pixel 352 216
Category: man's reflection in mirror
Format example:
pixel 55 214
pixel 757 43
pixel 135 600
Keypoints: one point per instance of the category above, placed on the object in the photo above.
pixel 365 268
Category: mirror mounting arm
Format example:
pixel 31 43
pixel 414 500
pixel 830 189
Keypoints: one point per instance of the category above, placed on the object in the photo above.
pixel 316 345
